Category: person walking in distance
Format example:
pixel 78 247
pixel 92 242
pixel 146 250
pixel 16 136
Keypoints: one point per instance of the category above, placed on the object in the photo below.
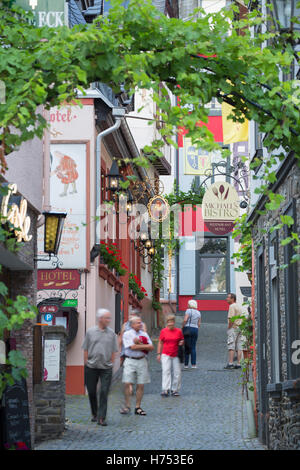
pixel 137 344
pixel 191 325
pixel 167 353
pixel 234 338
pixel 100 346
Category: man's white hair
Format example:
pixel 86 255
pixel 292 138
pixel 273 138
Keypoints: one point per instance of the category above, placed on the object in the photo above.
pixel 101 312
pixel 133 320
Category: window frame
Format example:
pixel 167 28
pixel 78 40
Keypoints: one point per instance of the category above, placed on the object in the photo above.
pixel 275 324
pixel 208 295
pixel 292 321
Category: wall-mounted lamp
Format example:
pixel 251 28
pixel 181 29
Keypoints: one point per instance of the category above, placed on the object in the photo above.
pixel 113 178
pixel 53 227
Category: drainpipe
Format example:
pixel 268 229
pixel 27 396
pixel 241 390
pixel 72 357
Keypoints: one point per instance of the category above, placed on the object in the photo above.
pixel 118 114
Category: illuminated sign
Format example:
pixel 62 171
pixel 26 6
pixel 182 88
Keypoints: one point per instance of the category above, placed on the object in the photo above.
pixel 14 210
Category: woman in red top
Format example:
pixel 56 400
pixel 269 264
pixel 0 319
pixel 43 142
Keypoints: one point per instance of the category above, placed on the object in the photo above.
pixel 167 351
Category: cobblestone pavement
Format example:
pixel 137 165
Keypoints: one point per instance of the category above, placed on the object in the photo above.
pixel 210 413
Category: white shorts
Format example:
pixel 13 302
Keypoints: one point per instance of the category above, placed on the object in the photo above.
pixel 135 371
pixel 235 340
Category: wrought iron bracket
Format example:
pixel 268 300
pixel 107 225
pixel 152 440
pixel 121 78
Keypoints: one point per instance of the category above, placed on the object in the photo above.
pixel 217 171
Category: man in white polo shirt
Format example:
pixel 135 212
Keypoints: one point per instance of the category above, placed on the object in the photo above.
pixel 136 344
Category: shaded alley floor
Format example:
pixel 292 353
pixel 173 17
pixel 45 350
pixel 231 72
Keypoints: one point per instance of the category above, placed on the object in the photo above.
pixel 210 414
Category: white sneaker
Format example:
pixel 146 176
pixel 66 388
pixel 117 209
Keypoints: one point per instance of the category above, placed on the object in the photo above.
pixel 194 367
pixel 186 367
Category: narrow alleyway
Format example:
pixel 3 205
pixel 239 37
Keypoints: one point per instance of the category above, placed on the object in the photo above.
pixel 209 414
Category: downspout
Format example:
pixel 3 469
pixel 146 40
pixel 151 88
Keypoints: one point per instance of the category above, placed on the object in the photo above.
pixel 177 253
pixel 118 114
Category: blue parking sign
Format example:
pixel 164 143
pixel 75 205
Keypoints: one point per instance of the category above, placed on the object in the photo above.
pixel 48 317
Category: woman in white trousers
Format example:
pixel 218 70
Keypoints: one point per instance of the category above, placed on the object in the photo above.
pixel 167 354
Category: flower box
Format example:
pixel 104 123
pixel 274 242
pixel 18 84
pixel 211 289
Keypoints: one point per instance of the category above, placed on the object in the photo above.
pixel 131 299
pixel 111 279
pixel 118 285
pixel 103 271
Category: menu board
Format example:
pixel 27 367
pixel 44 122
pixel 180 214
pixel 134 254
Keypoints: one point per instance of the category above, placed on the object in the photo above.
pixel 15 415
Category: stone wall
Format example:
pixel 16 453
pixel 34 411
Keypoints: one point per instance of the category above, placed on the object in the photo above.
pixel 284 407
pixel 49 396
pixel 24 283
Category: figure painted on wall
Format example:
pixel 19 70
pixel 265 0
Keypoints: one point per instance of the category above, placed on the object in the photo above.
pixel 66 172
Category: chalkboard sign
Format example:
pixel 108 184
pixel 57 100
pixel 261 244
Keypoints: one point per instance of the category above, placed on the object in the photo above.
pixel 15 415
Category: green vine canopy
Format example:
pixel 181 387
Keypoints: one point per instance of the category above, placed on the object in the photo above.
pixel 137 47
pixel 198 59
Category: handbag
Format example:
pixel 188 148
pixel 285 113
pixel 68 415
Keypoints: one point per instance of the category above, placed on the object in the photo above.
pixel 186 330
pixel 180 353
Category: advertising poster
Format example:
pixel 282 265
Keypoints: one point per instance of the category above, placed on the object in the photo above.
pixel 51 359
pixel 68 194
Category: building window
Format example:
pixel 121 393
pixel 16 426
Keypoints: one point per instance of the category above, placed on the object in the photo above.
pixel 274 309
pixel 291 305
pixel 213 265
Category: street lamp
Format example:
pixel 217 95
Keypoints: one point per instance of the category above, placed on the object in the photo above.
pixel 285 10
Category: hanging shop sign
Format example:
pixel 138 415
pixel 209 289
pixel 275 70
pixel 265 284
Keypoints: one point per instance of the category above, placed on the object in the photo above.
pixel 58 279
pixel 158 208
pixel 220 207
pixel 51 13
pixel 14 211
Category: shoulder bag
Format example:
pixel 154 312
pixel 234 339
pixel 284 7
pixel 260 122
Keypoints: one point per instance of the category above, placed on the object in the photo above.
pixel 186 330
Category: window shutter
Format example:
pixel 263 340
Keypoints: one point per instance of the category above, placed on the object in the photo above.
pixel 187 271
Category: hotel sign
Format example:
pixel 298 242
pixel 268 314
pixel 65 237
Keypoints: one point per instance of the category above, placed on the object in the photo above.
pixel 220 207
pixel 58 279
pixel 51 13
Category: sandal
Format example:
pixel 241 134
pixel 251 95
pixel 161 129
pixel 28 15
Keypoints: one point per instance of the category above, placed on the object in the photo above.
pixel 164 394
pixel 139 411
pixel 125 410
